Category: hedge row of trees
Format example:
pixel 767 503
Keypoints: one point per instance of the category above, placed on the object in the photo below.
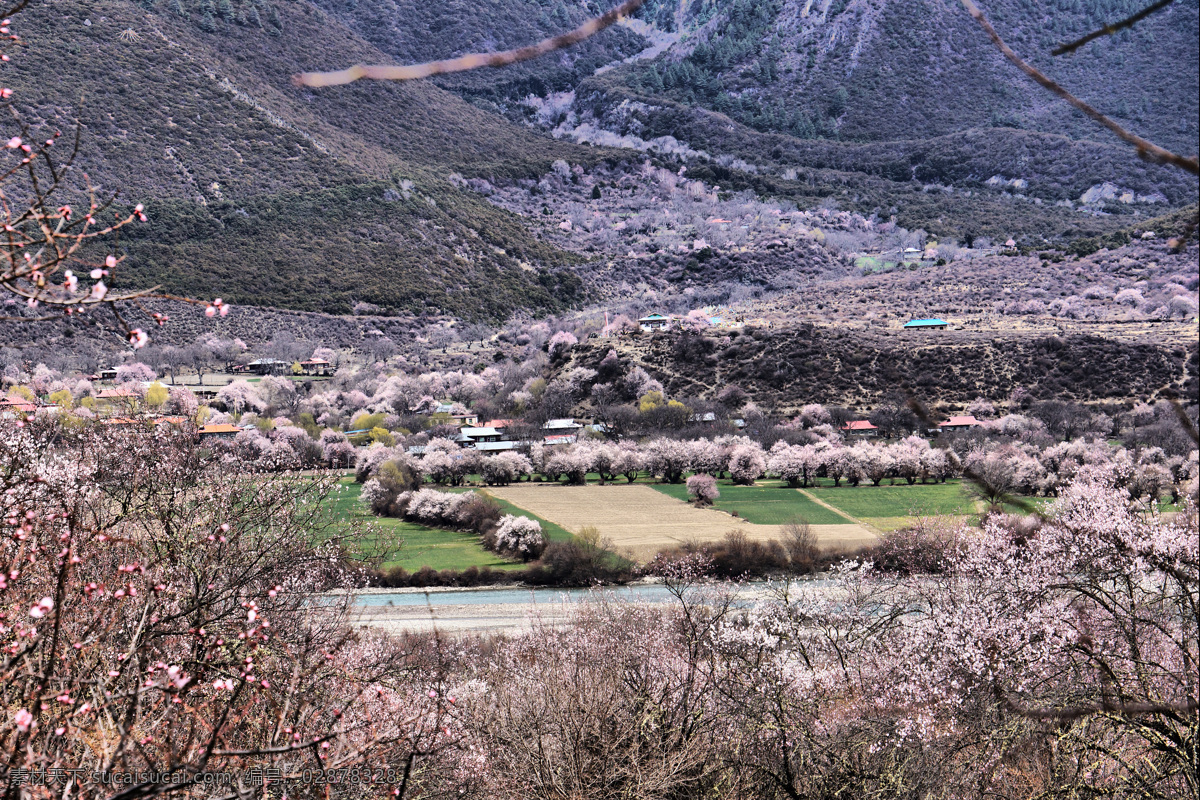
pixel 507 534
pixel 1013 467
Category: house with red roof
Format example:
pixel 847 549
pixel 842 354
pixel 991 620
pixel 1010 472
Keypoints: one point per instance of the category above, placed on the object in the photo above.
pixel 960 423
pixel 860 427
pixel 13 405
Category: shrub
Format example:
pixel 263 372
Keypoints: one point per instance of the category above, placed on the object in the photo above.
pixel 921 549
pixel 479 514
pixel 584 561
pixel 703 489
pixel 735 557
pixel 738 556
pixel 801 545
pixel 520 536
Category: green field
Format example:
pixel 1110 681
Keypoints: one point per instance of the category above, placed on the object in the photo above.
pixel 765 503
pixel 901 502
pixel 768 502
pixel 420 546
pixel 873 264
pixel 884 507
pixel 918 500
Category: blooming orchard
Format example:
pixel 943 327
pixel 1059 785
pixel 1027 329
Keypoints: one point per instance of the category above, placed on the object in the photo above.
pixel 157 613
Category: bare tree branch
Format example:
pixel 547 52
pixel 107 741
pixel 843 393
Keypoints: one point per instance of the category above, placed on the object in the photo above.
pixel 1146 149
pixel 1109 30
pixel 1185 421
pixel 1117 709
pixel 471 61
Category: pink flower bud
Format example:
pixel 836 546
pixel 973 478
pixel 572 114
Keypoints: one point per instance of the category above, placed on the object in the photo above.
pixel 43 607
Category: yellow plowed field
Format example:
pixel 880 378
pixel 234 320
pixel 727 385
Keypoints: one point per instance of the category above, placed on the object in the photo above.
pixel 641 521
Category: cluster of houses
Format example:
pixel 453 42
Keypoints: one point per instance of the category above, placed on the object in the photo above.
pixel 864 429
pixel 662 322
pixel 14 406
pixel 721 318
pixel 312 367
pixel 114 406
pixel 493 436
pixel 496 435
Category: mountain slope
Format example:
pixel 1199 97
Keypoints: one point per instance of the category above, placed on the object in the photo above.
pixel 410 31
pixel 264 193
pixel 881 70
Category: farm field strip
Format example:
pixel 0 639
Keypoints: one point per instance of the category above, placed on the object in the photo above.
pixel 823 504
pixel 765 503
pixel 873 502
pixel 641 520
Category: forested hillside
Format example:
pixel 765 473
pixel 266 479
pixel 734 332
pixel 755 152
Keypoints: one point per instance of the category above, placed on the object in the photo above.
pixel 263 193
pixel 882 70
pixel 411 32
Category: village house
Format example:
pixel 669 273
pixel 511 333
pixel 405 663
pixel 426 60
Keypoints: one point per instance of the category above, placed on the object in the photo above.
pixel 117 396
pixel 960 423
pixel 263 366
pixel 654 322
pixel 474 436
pixel 455 414
pixel 559 439
pixel 220 430
pixel 317 367
pixel 926 324
pixel 860 427
pixel 14 406
pixel 498 447
pixel 561 426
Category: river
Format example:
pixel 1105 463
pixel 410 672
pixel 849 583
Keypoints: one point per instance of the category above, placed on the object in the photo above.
pixel 504 610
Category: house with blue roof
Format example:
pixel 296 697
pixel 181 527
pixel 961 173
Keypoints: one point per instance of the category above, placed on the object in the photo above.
pixel 654 322
pixel 926 324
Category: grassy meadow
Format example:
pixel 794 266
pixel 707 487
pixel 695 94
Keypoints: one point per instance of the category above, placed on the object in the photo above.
pixel 412 546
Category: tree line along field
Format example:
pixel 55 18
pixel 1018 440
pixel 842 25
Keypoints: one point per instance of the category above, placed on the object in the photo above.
pixel 410 545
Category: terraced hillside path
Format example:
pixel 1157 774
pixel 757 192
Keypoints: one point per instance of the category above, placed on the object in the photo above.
pixel 838 511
